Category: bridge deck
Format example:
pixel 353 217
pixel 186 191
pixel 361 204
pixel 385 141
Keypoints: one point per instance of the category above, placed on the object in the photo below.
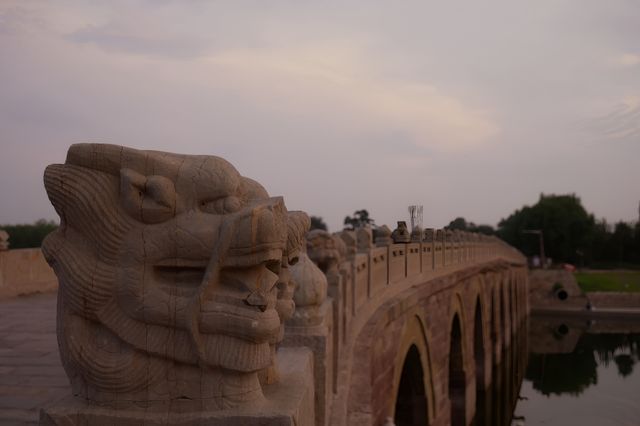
pixel 31 375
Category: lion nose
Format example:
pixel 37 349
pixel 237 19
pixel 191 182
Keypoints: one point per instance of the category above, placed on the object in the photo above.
pixel 265 223
pixel 257 298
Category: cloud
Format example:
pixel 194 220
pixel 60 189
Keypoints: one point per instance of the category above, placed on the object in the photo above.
pixel 628 60
pixel 112 38
pixel 622 123
pixel 342 81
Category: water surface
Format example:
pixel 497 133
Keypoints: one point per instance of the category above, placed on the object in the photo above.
pixel 580 373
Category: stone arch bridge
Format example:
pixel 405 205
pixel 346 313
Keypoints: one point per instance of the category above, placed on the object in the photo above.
pixel 417 328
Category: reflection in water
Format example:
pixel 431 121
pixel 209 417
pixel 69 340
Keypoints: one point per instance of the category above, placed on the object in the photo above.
pixel 563 373
pixel 581 373
pixel 572 373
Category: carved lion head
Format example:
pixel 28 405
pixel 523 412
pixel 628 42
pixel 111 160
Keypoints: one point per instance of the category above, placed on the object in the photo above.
pixel 167 265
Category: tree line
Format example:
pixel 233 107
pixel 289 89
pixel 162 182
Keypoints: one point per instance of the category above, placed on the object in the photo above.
pixel 29 235
pixel 570 234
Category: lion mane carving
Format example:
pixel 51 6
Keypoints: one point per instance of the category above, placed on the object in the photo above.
pixel 168 267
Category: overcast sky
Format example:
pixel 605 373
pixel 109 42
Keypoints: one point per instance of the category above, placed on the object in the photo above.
pixel 468 108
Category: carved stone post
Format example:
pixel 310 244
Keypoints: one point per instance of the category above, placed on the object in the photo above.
pixel 312 326
pixel 4 240
pixel 429 240
pixel 168 306
pixel 364 238
pixel 383 236
pixel 401 233
pixel 327 252
pixel 439 249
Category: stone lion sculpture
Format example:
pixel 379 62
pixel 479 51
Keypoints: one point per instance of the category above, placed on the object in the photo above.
pixel 168 267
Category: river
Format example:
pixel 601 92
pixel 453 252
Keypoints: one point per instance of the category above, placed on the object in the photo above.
pixel 578 372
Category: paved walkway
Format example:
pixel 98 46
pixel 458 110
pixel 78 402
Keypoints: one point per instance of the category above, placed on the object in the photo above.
pixel 31 375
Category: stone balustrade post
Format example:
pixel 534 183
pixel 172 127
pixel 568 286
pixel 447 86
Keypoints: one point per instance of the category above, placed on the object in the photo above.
pixel 155 253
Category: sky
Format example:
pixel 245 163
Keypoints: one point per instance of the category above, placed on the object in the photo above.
pixel 468 108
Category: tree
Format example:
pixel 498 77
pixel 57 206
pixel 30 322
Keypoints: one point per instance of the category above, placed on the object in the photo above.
pixel 29 236
pixel 566 226
pixel 625 363
pixel 600 250
pixel 359 219
pixel 318 223
pixel 460 224
pixel 622 242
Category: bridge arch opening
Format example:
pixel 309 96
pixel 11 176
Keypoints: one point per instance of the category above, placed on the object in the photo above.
pixel 516 307
pixel 457 380
pixel 503 319
pixel 495 345
pixel 494 325
pixel 512 311
pixel 411 404
pixel 479 359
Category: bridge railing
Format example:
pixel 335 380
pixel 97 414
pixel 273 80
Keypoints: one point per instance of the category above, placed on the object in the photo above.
pixel 365 275
pixel 371 270
pixel 376 268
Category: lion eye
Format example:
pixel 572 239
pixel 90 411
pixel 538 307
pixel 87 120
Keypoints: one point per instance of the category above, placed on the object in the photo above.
pixel 149 199
pixel 223 205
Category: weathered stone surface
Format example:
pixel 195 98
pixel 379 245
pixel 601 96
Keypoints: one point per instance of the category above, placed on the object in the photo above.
pixel 23 272
pixel 328 251
pixel 325 250
pixel 4 240
pixel 383 236
pixel 364 236
pixel 310 293
pixel 320 340
pixel 417 234
pixel 350 242
pixel 397 262
pixel 168 267
pixel 312 324
pixel 290 402
pixel 543 284
pixel 428 235
pixel 401 233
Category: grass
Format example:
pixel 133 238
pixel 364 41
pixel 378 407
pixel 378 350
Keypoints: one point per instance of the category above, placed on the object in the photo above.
pixel 625 281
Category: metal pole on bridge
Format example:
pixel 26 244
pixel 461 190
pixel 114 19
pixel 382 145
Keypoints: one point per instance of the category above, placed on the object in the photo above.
pixel 543 259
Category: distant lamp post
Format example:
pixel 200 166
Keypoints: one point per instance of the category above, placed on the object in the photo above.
pixel 543 259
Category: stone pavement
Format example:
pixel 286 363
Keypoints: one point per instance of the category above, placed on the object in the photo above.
pixel 31 375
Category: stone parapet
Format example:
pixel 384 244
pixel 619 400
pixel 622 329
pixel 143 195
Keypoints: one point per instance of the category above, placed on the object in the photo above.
pixel 289 402
pixel 319 339
pixel 25 271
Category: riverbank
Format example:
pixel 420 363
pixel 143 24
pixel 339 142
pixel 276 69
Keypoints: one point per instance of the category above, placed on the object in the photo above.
pixel 620 281
pixel 596 313
pixel 553 292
